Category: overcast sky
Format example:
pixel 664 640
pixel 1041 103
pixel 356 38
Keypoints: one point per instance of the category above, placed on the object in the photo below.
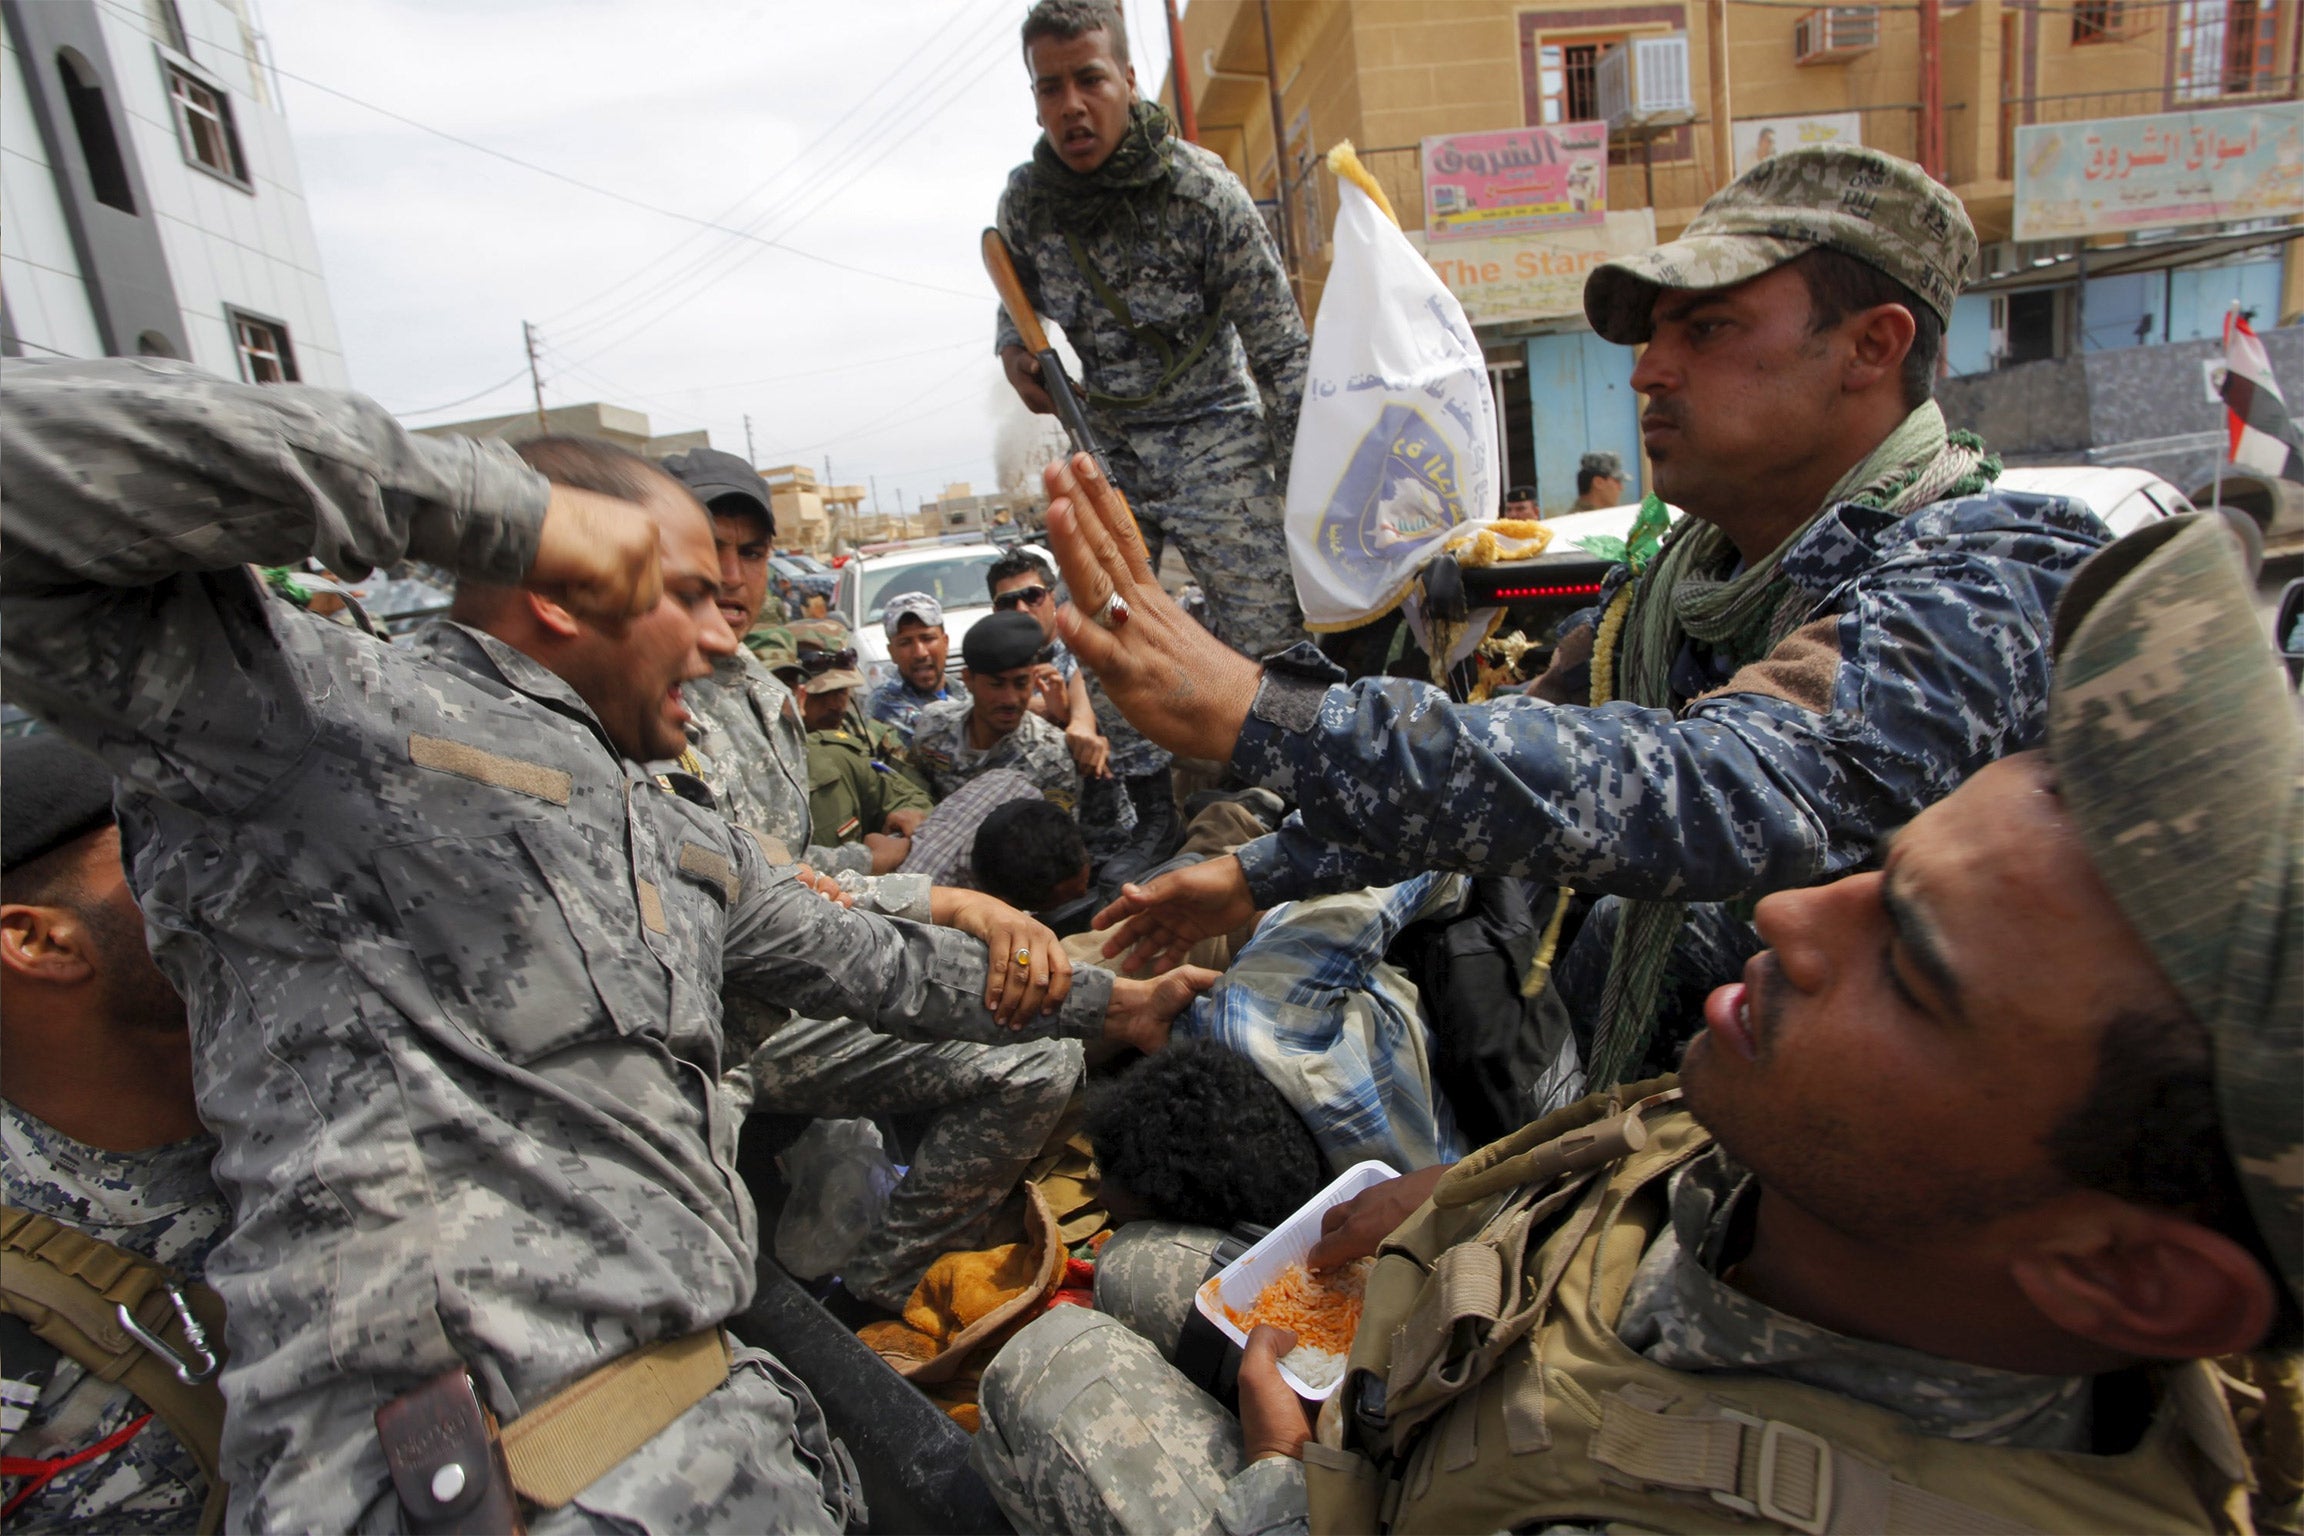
pixel 873 133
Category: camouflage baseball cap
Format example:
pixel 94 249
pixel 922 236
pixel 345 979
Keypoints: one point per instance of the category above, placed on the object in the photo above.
pixel 2181 760
pixel 830 634
pixel 772 643
pixel 1873 206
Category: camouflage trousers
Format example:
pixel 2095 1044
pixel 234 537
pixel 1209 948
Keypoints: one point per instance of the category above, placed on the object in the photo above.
pixel 1147 1273
pixel 1210 485
pixel 1087 1430
pixel 994 1106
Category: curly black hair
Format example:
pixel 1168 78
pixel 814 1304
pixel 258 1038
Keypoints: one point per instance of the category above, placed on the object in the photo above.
pixel 1197 1134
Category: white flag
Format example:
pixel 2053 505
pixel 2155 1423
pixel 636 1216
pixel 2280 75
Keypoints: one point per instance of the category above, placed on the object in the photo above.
pixel 1396 444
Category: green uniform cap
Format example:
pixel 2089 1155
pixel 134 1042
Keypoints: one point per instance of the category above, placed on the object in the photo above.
pixel 831 634
pixel 2181 760
pixel 1875 207
pixel 773 644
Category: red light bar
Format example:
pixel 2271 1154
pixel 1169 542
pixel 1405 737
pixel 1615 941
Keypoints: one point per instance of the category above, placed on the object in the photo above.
pixel 1523 594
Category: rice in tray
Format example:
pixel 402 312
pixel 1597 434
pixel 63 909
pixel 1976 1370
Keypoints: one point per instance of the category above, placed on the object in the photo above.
pixel 1323 1311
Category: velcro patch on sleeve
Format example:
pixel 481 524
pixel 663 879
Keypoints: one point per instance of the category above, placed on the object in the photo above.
pixel 652 908
pixel 712 867
pixel 482 767
pixel 772 849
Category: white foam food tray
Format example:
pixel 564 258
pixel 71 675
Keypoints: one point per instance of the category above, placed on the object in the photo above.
pixel 1239 1283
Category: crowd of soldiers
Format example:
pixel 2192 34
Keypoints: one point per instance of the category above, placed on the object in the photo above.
pixel 1898 1120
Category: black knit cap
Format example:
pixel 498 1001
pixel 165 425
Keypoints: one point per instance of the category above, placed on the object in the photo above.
pixel 1002 643
pixel 53 793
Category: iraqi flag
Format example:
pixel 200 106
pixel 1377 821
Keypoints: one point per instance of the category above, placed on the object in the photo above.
pixel 2263 437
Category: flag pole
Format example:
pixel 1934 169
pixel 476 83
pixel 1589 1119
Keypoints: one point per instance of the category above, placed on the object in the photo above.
pixel 2224 437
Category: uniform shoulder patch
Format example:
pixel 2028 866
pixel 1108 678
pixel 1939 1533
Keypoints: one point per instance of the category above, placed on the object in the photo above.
pixel 712 867
pixel 484 767
pixel 772 849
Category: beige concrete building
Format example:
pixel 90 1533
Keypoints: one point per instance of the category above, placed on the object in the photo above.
pixel 612 423
pixel 1750 76
pixel 811 515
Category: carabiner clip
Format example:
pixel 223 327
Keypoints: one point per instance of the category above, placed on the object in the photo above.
pixel 189 1374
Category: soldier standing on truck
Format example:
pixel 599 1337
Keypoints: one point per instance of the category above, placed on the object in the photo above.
pixel 1150 255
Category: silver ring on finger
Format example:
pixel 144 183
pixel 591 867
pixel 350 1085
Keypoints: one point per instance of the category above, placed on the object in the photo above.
pixel 1114 613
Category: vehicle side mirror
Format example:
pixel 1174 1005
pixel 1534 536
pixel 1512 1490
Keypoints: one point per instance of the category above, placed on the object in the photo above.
pixel 2288 629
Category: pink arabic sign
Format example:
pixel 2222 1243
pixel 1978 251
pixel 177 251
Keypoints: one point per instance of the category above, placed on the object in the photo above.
pixel 2118 174
pixel 1515 180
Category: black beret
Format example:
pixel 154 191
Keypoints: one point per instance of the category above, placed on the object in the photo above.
pixel 55 792
pixel 1002 643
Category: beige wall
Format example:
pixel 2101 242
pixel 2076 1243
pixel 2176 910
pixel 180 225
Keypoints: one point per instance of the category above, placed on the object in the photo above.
pixel 1386 73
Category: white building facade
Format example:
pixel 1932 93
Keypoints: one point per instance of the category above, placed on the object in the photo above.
pixel 149 199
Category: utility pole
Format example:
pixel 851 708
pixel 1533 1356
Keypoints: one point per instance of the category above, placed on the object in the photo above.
pixel 1181 72
pixel 750 457
pixel 535 380
pixel 831 507
pixel 1723 113
pixel 1280 159
pixel 1932 88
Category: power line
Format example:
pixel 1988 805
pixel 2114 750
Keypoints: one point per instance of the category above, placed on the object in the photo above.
pixel 799 157
pixel 629 201
pixel 697 276
pixel 514 377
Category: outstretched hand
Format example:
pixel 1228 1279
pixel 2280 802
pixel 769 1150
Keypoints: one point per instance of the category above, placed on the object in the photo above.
pixel 1177 683
pixel 1142 1012
pixel 1157 923
pixel 596 556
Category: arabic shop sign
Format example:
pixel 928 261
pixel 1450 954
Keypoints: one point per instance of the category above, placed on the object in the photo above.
pixel 1760 138
pixel 1533 277
pixel 1515 181
pixel 2119 174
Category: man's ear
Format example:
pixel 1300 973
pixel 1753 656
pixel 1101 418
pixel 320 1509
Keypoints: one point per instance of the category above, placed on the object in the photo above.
pixel 2146 1282
pixel 1882 339
pixel 554 619
pixel 46 944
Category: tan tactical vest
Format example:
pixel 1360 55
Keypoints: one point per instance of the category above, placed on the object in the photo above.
pixel 1501 1397
pixel 80 1294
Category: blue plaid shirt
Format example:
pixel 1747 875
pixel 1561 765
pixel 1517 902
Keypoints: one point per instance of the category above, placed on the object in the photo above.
pixel 1338 1031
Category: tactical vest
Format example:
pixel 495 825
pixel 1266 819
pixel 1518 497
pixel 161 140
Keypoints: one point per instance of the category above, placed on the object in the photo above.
pixel 123 1319
pixel 1488 1390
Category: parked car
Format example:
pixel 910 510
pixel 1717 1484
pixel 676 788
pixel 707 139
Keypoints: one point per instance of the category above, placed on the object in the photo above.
pixel 1566 578
pixel 794 576
pixel 950 572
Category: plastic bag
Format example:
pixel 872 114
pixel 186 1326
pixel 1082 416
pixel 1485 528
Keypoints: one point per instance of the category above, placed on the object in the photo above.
pixel 1396 444
pixel 839 1178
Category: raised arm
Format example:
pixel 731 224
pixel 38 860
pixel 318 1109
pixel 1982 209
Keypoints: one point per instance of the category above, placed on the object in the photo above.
pixel 133 495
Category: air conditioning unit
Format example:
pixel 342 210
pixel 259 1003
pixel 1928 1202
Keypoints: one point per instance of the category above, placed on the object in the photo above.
pixel 1643 83
pixel 1834 33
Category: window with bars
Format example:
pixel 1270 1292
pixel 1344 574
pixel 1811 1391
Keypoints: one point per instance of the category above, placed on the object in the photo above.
pixel 1565 79
pixel 204 126
pixel 265 356
pixel 2098 21
pixel 2224 47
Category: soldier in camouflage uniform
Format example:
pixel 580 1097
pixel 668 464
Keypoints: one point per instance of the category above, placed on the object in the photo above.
pixel 98 1131
pixel 1151 256
pixel 750 748
pixel 1994 1246
pixel 1850 620
pixel 453 962
pixel 999 652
